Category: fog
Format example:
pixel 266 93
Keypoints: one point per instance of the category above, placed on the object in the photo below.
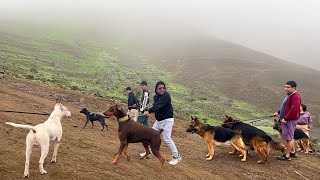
pixel 287 29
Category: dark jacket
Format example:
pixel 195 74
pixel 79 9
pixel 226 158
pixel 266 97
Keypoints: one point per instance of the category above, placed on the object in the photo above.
pixel 162 107
pixel 132 101
pixel 292 108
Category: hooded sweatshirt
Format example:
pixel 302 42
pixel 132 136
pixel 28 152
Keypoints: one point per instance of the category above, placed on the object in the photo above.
pixel 132 101
pixel 162 107
pixel 292 107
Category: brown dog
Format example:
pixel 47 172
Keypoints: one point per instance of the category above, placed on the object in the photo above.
pixel 132 132
pixel 255 138
pixel 215 135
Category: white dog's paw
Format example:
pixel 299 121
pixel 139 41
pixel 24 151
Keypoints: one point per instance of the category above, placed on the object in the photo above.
pixel 53 160
pixel 26 175
pixel 43 172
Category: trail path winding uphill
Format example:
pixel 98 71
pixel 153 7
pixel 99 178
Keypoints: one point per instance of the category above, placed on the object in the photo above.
pixel 87 153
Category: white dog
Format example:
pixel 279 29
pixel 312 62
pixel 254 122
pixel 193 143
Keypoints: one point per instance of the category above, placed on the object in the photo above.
pixel 41 135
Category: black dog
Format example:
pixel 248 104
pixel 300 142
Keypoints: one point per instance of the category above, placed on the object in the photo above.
pixel 94 117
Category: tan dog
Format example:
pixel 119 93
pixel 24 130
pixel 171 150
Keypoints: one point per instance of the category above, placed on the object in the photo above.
pixel 215 135
pixel 254 138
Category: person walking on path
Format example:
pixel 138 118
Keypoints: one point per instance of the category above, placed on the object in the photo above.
pixel 163 110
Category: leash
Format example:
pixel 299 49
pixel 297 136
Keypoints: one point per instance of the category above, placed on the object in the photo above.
pixel 257 120
pixel 251 121
pixel 25 112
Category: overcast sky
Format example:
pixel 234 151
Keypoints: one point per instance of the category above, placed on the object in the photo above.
pixel 288 29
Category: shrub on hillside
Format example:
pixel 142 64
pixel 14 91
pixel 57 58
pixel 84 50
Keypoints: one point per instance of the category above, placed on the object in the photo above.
pixel 33 70
pixel 75 88
pixel 29 76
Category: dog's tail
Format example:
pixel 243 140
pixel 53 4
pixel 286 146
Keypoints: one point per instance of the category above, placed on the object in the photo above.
pixel 277 146
pixel 22 126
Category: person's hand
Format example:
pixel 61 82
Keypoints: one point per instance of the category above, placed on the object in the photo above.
pixel 283 121
pixel 275 114
pixel 146 113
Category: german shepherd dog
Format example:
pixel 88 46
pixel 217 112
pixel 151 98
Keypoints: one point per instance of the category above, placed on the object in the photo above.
pixel 257 139
pixel 215 135
pixel 299 136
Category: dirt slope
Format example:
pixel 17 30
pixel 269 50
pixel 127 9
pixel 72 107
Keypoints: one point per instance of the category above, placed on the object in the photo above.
pixel 87 153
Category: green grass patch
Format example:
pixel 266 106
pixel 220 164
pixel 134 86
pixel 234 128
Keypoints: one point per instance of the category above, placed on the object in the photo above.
pixel 67 60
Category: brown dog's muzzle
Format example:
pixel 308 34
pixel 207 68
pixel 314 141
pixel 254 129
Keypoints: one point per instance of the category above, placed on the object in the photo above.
pixel 108 113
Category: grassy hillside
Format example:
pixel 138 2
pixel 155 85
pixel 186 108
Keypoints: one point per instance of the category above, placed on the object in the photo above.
pixel 61 58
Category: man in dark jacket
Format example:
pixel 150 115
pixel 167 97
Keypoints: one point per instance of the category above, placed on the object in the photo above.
pixel 132 104
pixel 163 110
pixel 289 114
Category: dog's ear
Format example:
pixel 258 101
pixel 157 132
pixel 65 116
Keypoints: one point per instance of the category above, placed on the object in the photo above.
pixel 118 107
pixel 195 119
pixel 228 119
pixel 192 118
pixel 56 106
pixel 61 106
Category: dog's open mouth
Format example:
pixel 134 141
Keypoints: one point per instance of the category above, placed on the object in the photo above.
pixel 191 130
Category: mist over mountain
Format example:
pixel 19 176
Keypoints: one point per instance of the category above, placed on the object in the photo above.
pixel 152 32
pixel 285 29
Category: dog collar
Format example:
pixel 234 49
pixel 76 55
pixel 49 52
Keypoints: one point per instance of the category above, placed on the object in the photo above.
pixel 123 118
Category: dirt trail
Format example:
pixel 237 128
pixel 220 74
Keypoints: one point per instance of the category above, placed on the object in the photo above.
pixel 87 153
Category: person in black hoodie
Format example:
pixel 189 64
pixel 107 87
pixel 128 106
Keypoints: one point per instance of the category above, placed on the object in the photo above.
pixel 132 104
pixel 162 108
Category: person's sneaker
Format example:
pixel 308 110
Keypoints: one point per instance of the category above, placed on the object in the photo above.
pixel 175 160
pixel 294 155
pixel 311 152
pixel 284 158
